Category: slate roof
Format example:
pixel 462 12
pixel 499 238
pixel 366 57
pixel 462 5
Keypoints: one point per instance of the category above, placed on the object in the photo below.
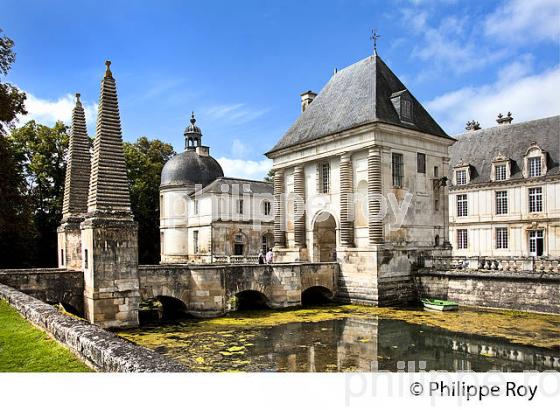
pixel 189 168
pixel 255 187
pixel 479 148
pixel 356 95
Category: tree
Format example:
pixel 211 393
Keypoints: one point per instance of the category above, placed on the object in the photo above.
pixel 17 232
pixel 11 99
pixel 40 150
pixel 269 176
pixel 145 160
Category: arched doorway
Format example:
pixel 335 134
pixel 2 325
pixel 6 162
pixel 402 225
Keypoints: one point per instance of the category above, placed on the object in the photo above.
pixel 324 238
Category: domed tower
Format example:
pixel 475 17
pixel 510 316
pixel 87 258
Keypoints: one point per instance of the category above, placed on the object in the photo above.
pixel 186 172
pixel 194 166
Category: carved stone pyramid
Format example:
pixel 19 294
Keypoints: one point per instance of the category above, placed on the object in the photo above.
pixel 108 189
pixel 76 183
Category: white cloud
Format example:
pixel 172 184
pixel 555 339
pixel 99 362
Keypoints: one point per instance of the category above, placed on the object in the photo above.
pixel 451 44
pixel 525 21
pixel 528 98
pixel 240 168
pixel 519 68
pixel 235 113
pixel 48 112
pixel 238 149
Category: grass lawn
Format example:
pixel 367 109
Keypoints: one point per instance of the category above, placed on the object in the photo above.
pixel 24 348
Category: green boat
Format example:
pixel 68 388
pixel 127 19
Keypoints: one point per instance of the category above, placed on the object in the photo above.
pixel 441 305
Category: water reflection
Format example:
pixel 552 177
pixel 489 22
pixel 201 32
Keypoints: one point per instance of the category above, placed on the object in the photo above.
pixel 350 344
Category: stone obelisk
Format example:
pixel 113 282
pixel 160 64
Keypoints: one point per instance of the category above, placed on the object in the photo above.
pixel 76 185
pixel 109 233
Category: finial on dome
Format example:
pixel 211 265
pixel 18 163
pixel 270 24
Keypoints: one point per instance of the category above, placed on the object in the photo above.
pixel 193 120
pixel 77 97
pixel 108 72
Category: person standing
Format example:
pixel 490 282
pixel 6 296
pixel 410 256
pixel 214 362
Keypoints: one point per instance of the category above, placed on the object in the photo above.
pixel 261 258
pixel 269 256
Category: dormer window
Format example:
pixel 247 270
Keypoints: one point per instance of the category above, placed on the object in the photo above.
pixel 461 174
pixel 500 168
pixel 402 101
pixel 534 162
pixel 535 168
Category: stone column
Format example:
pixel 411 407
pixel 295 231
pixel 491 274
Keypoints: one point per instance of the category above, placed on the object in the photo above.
pixel 280 209
pixel 299 190
pixel 346 201
pixel 374 187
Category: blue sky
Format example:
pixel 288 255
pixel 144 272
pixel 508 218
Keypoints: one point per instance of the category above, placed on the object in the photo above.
pixel 242 65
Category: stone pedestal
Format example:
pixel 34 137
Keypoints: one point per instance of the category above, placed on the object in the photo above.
pixel 379 275
pixel 288 255
pixel 69 238
pixel 110 260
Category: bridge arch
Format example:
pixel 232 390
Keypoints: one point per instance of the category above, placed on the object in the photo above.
pixel 316 295
pixel 251 300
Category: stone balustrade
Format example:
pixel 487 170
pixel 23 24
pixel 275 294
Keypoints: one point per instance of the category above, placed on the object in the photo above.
pixel 506 264
pixel 236 259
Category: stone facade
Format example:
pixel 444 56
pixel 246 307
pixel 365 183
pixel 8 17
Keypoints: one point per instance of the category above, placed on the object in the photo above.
pixel 346 150
pixel 499 206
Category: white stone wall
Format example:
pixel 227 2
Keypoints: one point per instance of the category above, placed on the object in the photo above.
pixel 482 220
pixel 422 222
pixel 216 212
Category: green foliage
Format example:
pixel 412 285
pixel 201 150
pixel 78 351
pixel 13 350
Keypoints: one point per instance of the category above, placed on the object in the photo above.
pixel 40 153
pixel 145 160
pixel 269 177
pixel 24 348
pixel 11 99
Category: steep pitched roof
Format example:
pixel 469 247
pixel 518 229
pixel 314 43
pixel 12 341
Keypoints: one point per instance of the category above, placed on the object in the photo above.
pixel 356 95
pixel 479 148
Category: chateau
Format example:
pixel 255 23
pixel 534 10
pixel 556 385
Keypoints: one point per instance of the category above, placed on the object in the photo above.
pixel 360 142
pixel 206 217
pixel 504 197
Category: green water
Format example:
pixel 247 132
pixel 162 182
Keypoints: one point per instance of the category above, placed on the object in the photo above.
pixel 348 338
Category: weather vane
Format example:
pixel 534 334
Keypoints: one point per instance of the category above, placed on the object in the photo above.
pixel 374 37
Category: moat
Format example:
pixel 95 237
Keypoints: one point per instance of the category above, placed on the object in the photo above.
pixel 355 338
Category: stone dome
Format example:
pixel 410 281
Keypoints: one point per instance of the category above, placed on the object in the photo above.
pixel 190 168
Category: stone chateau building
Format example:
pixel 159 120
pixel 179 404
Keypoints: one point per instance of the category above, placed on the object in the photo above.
pixel 206 217
pixel 504 196
pixel 363 136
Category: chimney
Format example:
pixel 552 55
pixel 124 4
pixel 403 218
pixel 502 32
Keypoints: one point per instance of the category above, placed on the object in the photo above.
pixel 501 120
pixel 306 99
pixel 472 126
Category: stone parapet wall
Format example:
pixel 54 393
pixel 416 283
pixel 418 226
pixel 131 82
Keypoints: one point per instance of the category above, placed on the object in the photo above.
pixel 526 291
pixel 51 285
pixel 100 349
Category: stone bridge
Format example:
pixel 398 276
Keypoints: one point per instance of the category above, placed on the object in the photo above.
pixel 204 290
pixel 210 290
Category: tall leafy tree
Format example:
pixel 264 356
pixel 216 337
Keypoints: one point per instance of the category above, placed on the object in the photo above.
pixel 17 232
pixel 40 150
pixel 145 159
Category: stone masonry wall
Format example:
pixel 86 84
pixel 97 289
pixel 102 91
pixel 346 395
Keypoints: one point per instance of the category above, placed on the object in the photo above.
pixel 49 285
pixel 524 291
pixel 100 349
